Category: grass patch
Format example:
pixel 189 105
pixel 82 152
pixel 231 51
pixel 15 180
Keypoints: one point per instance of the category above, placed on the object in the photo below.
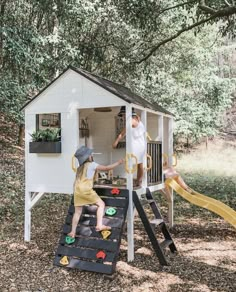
pixel 210 171
pixel 218 159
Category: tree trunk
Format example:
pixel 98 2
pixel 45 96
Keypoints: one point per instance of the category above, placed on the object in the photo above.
pixel 206 142
pixel 21 134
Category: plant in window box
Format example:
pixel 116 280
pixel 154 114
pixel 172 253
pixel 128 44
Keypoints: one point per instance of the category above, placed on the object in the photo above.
pixel 46 141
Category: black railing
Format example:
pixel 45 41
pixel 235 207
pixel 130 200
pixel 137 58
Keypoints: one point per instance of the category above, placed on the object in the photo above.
pixel 154 149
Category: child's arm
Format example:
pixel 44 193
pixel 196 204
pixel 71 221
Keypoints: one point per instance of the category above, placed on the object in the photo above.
pixel 109 167
pixel 119 137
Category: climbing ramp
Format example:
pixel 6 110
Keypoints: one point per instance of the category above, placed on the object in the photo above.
pixel 94 251
pixel 205 202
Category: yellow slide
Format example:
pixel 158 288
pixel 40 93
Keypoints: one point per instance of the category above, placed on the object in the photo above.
pixel 205 202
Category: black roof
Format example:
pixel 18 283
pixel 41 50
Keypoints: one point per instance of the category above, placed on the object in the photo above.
pixel 121 91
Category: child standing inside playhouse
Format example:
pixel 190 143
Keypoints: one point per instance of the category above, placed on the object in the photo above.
pixel 138 141
pixel 83 187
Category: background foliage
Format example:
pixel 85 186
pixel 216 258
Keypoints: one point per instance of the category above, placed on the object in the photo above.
pixel 168 51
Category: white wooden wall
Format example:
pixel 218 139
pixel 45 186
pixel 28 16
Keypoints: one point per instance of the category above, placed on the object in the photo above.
pixel 52 172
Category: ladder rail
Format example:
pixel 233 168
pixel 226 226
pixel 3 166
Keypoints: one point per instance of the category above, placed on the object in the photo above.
pixel 155 244
pixel 157 214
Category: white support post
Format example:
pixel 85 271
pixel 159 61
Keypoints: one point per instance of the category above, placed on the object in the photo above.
pixel 170 155
pixel 35 199
pixel 160 136
pixel 30 202
pixel 144 121
pixel 130 215
pixel 27 230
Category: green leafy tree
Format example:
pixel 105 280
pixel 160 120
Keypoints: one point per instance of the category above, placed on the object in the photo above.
pixel 158 48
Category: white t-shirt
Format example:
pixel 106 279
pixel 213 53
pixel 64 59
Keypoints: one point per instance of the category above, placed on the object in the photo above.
pixel 91 169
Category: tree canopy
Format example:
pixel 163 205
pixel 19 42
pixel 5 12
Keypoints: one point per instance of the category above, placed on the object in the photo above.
pixel 168 51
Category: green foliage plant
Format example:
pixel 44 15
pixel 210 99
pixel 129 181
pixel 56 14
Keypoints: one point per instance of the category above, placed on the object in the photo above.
pixel 47 135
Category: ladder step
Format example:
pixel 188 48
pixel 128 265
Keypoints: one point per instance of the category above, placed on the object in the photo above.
pixel 156 221
pixel 145 202
pixel 165 243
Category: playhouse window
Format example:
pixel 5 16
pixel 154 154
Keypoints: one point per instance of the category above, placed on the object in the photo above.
pixel 44 121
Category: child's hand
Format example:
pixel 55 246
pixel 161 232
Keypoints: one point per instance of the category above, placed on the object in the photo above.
pixel 120 161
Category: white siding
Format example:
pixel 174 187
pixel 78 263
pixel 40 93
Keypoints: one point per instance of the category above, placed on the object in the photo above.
pixel 74 96
pixel 72 91
pixel 52 172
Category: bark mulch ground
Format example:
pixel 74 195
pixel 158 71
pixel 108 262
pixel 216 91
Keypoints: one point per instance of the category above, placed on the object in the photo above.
pixel 206 258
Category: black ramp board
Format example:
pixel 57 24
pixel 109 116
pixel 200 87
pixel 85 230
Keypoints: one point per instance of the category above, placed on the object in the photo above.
pixel 89 231
pixel 76 263
pixel 88 242
pixel 92 210
pixel 82 254
pixel 92 221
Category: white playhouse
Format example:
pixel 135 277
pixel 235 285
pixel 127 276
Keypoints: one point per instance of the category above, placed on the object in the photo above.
pixel 85 108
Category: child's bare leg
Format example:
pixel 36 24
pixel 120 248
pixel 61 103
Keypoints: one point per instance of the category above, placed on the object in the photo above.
pixel 100 212
pixel 75 221
pixel 139 174
pixel 167 193
pixel 181 182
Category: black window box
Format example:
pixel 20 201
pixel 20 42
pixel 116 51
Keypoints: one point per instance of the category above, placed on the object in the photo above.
pixel 45 147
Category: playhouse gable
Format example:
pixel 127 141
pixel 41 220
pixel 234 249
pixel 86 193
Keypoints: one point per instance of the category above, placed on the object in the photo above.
pixel 77 88
pixel 71 91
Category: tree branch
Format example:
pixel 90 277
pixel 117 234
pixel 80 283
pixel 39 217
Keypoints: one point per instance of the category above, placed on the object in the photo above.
pixel 227 3
pixel 176 6
pixel 206 8
pixel 217 14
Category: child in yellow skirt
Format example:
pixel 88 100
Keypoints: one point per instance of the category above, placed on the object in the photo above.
pixel 83 187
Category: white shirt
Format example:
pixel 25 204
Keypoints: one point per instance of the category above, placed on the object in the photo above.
pixel 138 141
pixel 91 169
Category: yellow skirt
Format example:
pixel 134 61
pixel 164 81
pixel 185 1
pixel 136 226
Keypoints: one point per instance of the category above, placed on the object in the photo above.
pixel 84 193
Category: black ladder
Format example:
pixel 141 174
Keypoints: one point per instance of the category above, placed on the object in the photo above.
pixel 149 226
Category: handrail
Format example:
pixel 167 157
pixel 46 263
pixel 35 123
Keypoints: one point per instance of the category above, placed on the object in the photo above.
pixel 165 162
pixel 150 162
pixel 73 163
pixel 127 157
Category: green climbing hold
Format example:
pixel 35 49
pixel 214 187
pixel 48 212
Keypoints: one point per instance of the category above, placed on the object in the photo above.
pixel 111 211
pixel 69 239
